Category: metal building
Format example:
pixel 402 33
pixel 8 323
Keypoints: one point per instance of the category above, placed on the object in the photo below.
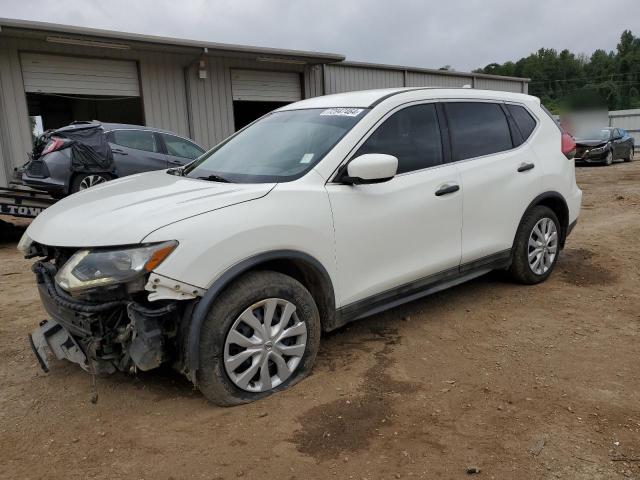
pixel 52 74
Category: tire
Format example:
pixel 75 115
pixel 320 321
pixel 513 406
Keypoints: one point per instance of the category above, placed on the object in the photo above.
pixel 82 181
pixel 629 157
pixel 609 158
pixel 221 381
pixel 521 270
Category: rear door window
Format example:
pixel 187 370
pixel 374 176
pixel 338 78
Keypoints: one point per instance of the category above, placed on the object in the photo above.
pixel 138 139
pixel 179 147
pixel 524 121
pixel 477 129
pixel 412 135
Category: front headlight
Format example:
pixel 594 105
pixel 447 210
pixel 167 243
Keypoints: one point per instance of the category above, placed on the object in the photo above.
pixel 97 268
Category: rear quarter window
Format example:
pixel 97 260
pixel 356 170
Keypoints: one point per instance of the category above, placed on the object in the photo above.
pixel 524 121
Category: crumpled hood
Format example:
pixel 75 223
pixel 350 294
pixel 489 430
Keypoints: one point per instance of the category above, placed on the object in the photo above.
pixel 125 211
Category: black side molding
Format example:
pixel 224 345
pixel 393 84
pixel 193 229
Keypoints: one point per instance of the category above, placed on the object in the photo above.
pixel 421 288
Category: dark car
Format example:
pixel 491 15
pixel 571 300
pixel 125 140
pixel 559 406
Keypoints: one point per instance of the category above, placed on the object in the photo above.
pixel 133 149
pixel 604 146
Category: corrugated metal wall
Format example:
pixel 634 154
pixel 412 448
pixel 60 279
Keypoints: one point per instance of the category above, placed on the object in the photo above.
pixel 164 91
pixel 342 78
pixel 349 77
pixel 3 152
pixel 313 82
pixel 16 132
pixel 420 79
pixel 627 119
pixel 498 84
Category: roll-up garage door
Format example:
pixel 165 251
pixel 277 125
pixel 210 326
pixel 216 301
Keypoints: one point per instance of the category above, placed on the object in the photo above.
pixel 79 76
pixel 261 86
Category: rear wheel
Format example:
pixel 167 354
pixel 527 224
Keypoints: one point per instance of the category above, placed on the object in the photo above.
pixel 261 336
pixel 536 246
pixel 82 181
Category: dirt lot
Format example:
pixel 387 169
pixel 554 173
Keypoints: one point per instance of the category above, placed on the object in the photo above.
pixel 522 382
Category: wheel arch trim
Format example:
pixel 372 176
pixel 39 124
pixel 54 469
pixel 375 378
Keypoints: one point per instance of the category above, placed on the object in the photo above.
pixel 540 199
pixel 192 350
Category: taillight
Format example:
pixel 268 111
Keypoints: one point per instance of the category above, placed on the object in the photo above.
pixel 568 145
pixel 54 144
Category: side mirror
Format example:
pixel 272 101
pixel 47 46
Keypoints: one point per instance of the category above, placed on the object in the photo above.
pixel 371 168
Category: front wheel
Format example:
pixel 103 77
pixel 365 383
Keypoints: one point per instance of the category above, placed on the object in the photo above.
pixel 536 246
pixel 261 336
pixel 609 158
pixel 82 181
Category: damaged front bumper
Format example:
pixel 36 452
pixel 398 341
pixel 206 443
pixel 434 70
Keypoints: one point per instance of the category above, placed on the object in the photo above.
pixel 123 333
pixel 53 337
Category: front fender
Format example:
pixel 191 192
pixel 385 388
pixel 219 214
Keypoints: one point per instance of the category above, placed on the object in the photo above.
pixel 192 349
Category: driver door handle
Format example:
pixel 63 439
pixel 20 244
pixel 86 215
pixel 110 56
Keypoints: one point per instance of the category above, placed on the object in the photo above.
pixel 525 167
pixel 117 150
pixel 447 189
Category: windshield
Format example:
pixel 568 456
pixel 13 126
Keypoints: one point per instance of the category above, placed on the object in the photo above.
pixel 280 147
pixel 596 134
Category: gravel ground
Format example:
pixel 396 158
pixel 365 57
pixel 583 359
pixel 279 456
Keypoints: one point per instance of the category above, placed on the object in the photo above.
pixel 521 382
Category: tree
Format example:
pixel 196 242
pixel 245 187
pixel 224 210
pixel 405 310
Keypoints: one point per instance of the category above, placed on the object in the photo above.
pixel 566 80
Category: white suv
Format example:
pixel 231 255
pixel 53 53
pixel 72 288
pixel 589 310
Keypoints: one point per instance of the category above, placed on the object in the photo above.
pixel 320 213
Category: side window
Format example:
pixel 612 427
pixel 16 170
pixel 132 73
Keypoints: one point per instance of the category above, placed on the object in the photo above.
pixel 138 139
pixel 525 122
pixel 477 128
pixel 412 135
pixel 179 147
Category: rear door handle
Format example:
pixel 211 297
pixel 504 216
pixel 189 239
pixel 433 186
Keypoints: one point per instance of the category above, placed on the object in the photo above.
pixel 175 162
pixel 117 150
pixel 525 166
pixel 447 189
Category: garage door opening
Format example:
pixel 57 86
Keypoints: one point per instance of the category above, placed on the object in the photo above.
pixel 55 111
pixel 246 112
pixel 61 89
pixel 257 92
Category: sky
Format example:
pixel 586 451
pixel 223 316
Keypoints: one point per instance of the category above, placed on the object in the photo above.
pixel 463 34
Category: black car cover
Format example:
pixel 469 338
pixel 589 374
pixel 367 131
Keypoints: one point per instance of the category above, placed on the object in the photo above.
pixel 90 151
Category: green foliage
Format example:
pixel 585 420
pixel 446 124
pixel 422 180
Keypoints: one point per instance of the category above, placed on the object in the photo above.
pixel 568 81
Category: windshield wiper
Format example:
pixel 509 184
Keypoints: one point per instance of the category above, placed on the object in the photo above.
pixel 215 178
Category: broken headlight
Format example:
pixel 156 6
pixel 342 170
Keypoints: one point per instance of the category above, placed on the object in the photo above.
pixel 97 268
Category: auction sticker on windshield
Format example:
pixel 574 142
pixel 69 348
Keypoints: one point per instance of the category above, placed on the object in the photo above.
pixel 343 112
